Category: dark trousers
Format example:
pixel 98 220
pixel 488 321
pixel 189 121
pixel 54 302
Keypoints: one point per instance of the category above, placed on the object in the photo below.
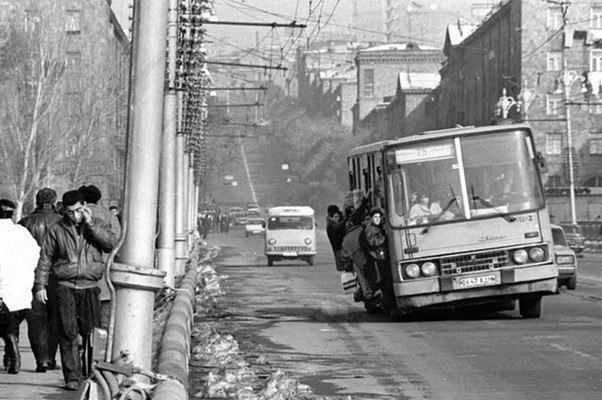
pixel 78 312
pixel 42 330
pixel 9 326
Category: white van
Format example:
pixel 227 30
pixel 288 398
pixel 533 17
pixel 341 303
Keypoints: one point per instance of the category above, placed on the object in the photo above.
pixel 290 234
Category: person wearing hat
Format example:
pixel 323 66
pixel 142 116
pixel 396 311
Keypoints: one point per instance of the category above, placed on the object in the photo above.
pixel 72 251
pixel 19 254
pixel 92 195
pixel 42 335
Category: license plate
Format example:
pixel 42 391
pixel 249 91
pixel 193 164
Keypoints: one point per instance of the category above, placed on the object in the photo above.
pixel 476 281
pixel 290 254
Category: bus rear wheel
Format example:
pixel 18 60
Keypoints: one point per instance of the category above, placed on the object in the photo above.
pixel 530 306
pixel 270 261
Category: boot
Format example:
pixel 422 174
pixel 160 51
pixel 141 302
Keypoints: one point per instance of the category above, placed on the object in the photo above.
pixel 14 361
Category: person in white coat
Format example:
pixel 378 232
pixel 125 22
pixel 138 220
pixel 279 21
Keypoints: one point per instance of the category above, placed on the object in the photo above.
pixel 19 254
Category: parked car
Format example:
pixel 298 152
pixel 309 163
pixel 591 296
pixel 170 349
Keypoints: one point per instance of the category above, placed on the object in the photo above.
pixel 239 218
pixel 254 226
pixel 574 237
pixel 565 258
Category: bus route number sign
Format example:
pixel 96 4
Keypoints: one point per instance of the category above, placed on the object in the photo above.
pixel 424 153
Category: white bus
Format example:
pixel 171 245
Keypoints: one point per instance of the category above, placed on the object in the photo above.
pixel 290 234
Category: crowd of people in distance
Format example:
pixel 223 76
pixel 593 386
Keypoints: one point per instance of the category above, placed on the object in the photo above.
pixel 359 243
pixel 51 275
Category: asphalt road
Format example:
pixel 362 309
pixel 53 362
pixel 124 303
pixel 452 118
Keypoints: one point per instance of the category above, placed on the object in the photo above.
pixel 298 317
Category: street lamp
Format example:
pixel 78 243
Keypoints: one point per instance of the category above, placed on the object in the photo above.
pixel 567 79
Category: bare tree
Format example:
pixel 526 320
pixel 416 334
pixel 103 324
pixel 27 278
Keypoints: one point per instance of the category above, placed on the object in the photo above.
pixel 31 71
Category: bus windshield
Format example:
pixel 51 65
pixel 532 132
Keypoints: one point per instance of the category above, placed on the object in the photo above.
pixel 290 222
pixel 463 178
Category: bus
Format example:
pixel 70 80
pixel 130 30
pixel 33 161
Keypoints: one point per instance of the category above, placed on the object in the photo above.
pixel 290 234
pixel 466 218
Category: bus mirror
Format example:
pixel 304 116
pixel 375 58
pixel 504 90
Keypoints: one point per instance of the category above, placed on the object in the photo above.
pixel 542 164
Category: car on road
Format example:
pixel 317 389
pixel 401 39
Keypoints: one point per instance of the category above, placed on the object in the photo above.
pixel 574 237
pixel 565 258
pixel 253 207
pixel 239 218
pixel 255 227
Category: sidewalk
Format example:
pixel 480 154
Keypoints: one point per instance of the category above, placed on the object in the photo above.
pixel 28 384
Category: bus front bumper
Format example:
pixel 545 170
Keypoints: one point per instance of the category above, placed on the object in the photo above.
pixel 509 283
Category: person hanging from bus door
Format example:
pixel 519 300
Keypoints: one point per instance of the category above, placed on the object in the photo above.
pixel 374 241
pixel 335 230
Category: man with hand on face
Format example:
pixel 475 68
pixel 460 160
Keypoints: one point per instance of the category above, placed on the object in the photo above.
pixel 72 252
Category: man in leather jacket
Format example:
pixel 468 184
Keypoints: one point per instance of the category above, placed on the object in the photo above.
pixel 42 336
pixel 72 250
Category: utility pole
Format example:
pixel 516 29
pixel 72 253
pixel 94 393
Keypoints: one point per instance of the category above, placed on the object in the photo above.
pixel 135 279
pixel 166 253
pixel 567 79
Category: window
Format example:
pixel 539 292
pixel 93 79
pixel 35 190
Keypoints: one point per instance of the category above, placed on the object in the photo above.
pixel 555 17
pixel 555 181
pixel 595 181
pixel 369 83
pixel 554 143
pixel 73 21
pixel 553 105
pixel 31 21
pixel 73 69
pixel 596 17
pixel 595 143
pixel 596 60
pixel 554 61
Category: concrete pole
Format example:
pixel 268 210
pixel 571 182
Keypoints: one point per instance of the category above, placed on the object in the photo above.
pixel 181 240
pixel 166 253
pixel 190 210
pixel 135 279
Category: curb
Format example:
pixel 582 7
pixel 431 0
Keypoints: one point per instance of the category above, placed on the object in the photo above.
pixel 175 344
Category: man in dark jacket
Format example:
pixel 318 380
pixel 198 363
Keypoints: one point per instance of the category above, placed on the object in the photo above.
pixel 92 196
pixel 335 230
pixel 72 251
pixel 42 336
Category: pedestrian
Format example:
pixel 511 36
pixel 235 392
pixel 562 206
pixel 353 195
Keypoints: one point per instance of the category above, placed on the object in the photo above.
pixel 19 254
pixel 42 334
pixel 92 196
pixel 73 251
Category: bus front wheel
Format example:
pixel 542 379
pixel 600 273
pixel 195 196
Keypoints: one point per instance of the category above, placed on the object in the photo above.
pixel 311 260
pixel 270 261
pixel 530 306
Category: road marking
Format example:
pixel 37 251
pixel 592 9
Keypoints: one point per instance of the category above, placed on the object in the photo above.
pixel 244 160
pixel 579 353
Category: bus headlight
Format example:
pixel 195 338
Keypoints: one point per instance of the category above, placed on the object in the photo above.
pixel 428 269
pixel 520 256
pixel 536 254
pixel 272 241
pixel 308 241
pixel 412 271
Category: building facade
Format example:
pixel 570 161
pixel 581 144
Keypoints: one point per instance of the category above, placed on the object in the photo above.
pixel 535 51
pixel 378 71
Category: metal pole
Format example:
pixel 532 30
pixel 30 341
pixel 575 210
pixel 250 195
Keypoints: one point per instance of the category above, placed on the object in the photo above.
pixel 569 140
pixel 186 198
pixel 136 280
pixel 191 196
pixel 166 253
pixel 181 247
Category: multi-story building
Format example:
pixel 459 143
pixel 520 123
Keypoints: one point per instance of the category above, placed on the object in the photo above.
pixel 528 47
pixel 87 39
pixel 378 71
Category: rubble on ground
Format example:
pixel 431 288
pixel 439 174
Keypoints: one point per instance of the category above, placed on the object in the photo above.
pixel 220 370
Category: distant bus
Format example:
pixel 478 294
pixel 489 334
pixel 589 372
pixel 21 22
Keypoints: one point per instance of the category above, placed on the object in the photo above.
pixel 290 234
pixel 466 215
